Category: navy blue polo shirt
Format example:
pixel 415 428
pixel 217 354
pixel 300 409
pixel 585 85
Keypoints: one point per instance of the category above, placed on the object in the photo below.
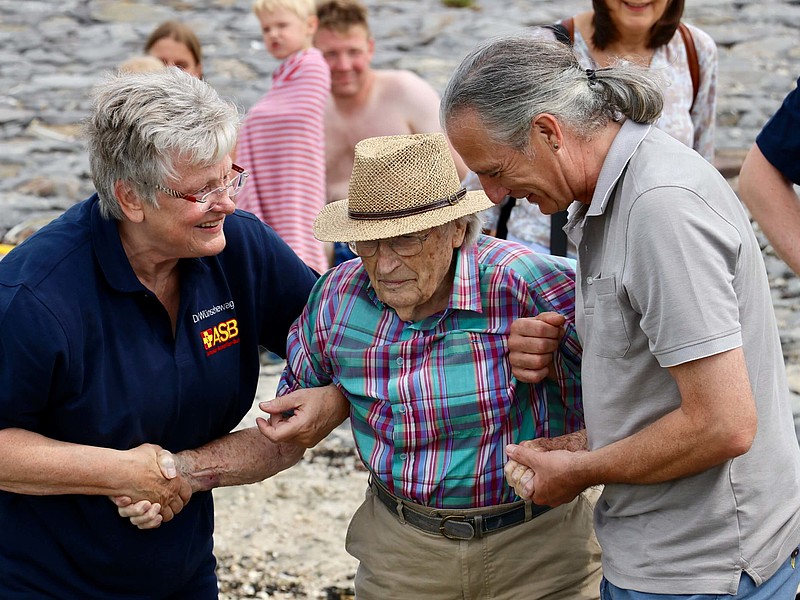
pixel 87 355
pixel 779 141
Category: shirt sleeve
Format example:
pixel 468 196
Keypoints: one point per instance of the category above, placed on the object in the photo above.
pixel 34 361
pixel 284 286
pixel 307 364
pixel 680 252
pixel 779 141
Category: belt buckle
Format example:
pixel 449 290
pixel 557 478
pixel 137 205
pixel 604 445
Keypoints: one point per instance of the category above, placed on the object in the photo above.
pixel 457 521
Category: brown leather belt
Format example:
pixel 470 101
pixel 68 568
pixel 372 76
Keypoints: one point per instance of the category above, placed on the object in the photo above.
pixel 452 525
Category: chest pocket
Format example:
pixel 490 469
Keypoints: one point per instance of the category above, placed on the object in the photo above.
pixel 610 338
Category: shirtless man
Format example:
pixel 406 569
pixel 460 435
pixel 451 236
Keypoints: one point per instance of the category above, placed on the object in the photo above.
pixel 365 102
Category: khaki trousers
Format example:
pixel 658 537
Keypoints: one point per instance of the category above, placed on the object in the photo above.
pixel 552 557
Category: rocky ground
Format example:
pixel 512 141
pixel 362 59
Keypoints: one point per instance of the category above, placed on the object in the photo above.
pixel 284 538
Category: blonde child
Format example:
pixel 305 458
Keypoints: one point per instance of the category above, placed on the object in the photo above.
pixel 141 64
pixel 281 142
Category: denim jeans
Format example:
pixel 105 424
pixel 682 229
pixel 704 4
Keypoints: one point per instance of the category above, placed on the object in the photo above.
pixel 783 585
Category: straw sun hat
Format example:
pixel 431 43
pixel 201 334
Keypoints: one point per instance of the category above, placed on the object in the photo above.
pixel 400 184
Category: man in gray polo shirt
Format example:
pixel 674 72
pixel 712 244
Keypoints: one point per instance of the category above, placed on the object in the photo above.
pixel 685 396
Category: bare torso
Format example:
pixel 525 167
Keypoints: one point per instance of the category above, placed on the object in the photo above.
pixel 399 103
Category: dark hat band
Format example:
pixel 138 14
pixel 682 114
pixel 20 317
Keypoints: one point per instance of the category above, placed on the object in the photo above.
pixel 451 200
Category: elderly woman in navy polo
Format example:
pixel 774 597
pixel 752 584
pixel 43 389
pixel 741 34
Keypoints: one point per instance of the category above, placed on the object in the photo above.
pixel 131 329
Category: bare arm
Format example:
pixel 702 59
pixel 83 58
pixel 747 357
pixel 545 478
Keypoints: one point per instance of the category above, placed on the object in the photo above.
pixel 772 201
pixel 240 457
pixel 715 422
pixel 36 465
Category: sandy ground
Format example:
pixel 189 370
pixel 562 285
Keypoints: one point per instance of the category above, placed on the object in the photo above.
pixel 284 537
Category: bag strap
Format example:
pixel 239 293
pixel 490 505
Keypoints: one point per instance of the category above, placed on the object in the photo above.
pixel 691 58
pixel 564 31
pixel 509 202
pixel 558 239
pixel 569 25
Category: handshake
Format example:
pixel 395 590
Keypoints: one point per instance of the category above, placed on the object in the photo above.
pixel 158 484
pixel 161 489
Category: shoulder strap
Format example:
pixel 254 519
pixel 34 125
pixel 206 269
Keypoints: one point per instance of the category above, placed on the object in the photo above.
pixel 564 31
pixel 569 25
pixel 558 238
pixel 691 58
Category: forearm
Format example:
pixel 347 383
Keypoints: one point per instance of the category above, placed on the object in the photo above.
pixel 574 442
pixel 715 422
pixel 670 448
pixel 241 457
pixel 772 202
pixel 36 465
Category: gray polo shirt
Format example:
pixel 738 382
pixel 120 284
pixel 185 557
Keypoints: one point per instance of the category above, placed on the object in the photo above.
pixel 669 271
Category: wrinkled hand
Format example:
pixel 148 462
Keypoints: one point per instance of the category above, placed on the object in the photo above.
pixel 304 417
pixel 573 442
pixel 150 512
pixel 143 514
pixel 547 477
pixel 531 344
pixel 520 476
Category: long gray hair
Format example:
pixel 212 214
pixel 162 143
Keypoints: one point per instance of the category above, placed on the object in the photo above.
pixel 509 80
pixel 142 124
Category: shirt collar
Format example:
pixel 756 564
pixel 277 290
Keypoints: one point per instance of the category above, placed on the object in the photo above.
pixel 466 283
pixel 625 144
pixel 109 252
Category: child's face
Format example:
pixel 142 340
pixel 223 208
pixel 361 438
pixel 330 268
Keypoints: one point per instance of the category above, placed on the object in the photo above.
pixel 285 33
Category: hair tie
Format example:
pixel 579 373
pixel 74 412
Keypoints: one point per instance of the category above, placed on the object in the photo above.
pixel 591 75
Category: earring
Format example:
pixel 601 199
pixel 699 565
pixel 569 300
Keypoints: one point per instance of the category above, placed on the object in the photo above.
pixel 555 146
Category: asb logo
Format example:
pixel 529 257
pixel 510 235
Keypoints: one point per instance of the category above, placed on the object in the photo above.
pixel 222 335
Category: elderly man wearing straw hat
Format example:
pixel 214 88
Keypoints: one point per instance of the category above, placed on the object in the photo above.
pixel 414 333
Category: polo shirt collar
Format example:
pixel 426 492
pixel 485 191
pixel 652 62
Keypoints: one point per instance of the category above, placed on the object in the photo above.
pixel 624 146
pixel 109 252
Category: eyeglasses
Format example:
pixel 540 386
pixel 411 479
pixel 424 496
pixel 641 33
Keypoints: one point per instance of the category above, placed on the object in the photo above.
pixel 232 187
pixel 402 245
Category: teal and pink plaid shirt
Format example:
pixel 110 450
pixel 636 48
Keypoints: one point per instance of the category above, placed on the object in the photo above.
pixel 433 402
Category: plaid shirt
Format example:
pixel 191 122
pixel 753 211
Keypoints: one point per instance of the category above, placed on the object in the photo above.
pixel 433 402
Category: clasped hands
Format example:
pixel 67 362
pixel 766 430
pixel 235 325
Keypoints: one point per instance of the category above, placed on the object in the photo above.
pixel 546 470
pixel 158 489
pixel 303 418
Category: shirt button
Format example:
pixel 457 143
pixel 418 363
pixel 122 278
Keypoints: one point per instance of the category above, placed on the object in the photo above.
pixel 399 362
pixel 402 410
pixel 403 456
pixel 589 280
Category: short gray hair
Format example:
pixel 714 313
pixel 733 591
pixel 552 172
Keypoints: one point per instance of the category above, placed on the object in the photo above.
pixel 141 124
pixel 507 81
pixel 474 226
